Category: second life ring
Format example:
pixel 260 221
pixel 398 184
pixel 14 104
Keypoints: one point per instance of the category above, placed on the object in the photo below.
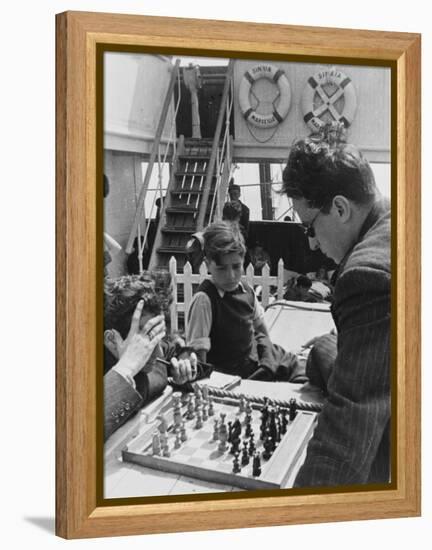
pixel 278 76
pixel 315 86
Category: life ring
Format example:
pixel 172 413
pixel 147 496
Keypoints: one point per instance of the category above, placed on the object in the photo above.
pixel 314 86
pixel 278 76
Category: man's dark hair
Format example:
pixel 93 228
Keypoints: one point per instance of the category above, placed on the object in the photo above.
pixel 232 211
pixel 122 294
pixel 323 165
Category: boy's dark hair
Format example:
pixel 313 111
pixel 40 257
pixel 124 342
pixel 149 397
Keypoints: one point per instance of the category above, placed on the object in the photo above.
pixel 231 211
pixel 106 186
pixel 223 238
pixel 303 282
pixel 323 165
pixel 121 295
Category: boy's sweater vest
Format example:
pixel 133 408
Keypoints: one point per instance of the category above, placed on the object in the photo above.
pixel 232 333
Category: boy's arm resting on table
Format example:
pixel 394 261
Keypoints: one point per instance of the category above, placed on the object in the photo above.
pixel 199 325
pixel 264 345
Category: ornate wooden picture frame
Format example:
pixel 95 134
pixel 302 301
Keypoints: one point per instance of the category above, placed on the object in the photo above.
pixel 80 509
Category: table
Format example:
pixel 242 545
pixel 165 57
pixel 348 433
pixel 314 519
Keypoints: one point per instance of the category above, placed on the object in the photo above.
pixel 123 479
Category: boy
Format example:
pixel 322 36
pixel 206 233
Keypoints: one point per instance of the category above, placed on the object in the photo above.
pixel 225 322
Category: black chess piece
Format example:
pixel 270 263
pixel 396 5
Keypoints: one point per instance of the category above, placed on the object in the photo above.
pixel 236 464
pixel 237 428
pixel 235 446
pixel 245 455
pixel 292 409
pixel 265 410
pixel 284 423
pixel 230 432
pixel 268 447
pixel 252 446
pixel 256 465
pixel 248 428
pixel 272 424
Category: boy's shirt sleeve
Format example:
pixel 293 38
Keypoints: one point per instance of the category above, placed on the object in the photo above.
pixel 262 339
pixel 258 313
pixel 199 322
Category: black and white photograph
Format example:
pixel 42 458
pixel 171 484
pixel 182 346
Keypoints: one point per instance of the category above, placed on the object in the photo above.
pixel 247 305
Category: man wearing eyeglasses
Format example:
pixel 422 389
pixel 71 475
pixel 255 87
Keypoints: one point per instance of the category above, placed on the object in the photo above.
pixel 333 191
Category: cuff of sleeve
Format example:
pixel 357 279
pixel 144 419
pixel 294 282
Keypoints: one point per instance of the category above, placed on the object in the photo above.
pixel 200 343
pixel 129 379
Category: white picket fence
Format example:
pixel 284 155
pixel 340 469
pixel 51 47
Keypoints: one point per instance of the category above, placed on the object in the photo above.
pixel 187 279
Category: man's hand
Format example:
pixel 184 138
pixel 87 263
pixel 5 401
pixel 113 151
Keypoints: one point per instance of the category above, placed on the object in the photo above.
pixel 315 339
pixel 139 345
pixel 184 369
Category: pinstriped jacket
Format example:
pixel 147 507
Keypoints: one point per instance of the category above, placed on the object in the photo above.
pixel 351 443
pixel 122 400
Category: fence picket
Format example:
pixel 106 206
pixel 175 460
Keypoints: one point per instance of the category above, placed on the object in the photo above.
pixel 188 279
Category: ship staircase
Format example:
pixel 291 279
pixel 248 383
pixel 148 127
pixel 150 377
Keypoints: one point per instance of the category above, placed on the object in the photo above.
pixel 200 169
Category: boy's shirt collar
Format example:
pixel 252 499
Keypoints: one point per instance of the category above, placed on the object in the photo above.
pixel 240 288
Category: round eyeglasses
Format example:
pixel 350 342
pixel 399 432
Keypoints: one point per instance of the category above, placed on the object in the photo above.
pixel 308 228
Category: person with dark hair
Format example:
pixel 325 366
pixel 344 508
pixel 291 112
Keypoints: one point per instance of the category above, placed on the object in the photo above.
pixel 299 290
pixel 259 257
pixel 225 322
pixel 231 213
pixel 234 195
pixel 134 311
pixel 333 191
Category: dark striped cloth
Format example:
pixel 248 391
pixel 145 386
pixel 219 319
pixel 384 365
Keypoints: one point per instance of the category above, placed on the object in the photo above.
pixel 351 443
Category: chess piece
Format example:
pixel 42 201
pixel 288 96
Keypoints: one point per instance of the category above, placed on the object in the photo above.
pixel 205 393
pixel 284 424
pixel 245 455
pixel 230 432
pixel 211 407
pixel 236 464
pixel 223 437
pixel 177 416
pixel 199 420
pixel 256 465
pixel 183 433
pixel 235 446
pixel 165 449
pixel 292 409
pixel 190 408
pixel 198 399
pixel 178 441
pixel 248 428
pixel 268 447
pixel 163 427
pixel 248 408
pixel 237 428
pixel 156 444
pixel 252 446
pixel 215 430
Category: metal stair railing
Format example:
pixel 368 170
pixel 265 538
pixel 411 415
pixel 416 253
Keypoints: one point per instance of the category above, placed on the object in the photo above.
pixel 135 230
pixel 223 160
pixel 215 148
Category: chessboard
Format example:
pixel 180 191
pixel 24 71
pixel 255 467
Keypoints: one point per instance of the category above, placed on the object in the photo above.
pixel 224 440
